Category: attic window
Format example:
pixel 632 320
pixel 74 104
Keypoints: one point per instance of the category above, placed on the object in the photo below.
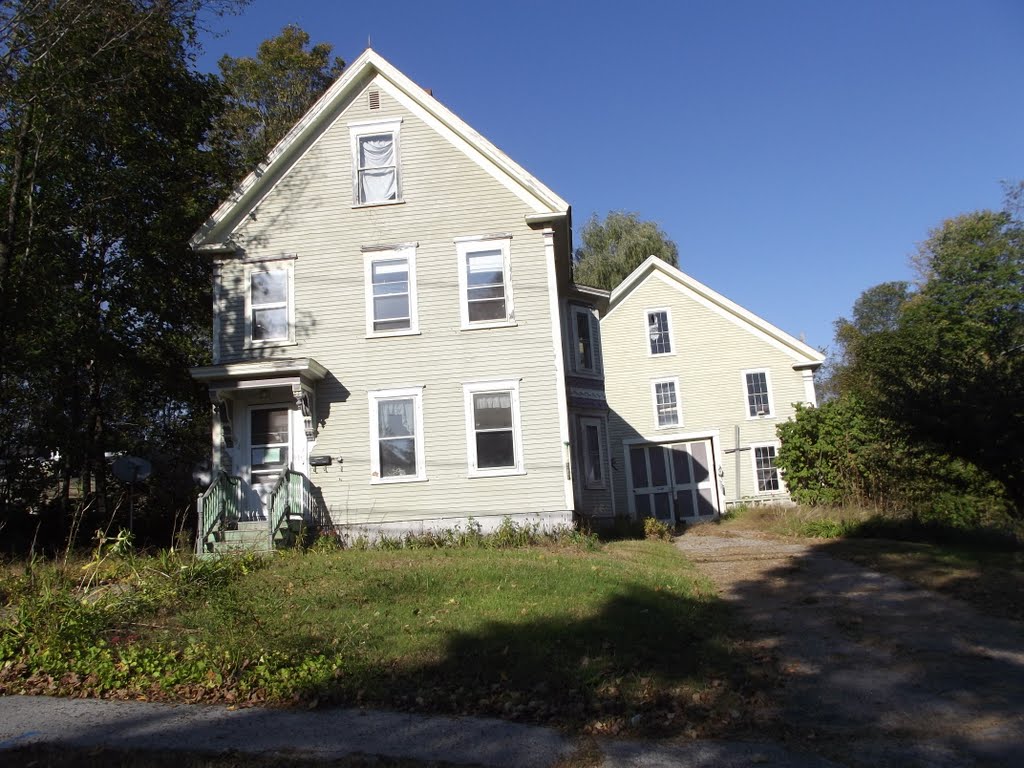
pixel 374 99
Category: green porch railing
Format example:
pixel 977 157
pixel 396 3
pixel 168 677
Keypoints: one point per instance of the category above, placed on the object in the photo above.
pixel 289 496
pixel 221 502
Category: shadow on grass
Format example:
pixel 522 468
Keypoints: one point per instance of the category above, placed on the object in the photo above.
pixel 877 668
pixel 649 661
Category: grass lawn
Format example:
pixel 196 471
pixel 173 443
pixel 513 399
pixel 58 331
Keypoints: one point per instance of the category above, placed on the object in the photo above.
pixel 622 638
pixel 990 578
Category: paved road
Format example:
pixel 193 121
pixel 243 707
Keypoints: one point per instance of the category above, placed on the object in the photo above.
pixel 880 672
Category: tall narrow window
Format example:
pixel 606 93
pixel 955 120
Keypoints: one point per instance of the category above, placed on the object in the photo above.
pixel 376 161
pixel 658 332
pixel 593 452
pixel 493 435
pixel 586 340
pixel 765 469
pixel 391 292
pixel 666 402
pixel 268 305
pixel 484 282
pixel 396 432
pixel 759 397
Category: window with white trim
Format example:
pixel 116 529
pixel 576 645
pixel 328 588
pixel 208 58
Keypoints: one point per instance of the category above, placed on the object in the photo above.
pixel 485 282
pixel 586 341
pixel 665 394
pixel 493 432
pixel 765 471
pixel 396 435
pixel 391 292
pixel 592 446
pixel 757 385
pixel 376 162
pixel 659 332
pixel 269 311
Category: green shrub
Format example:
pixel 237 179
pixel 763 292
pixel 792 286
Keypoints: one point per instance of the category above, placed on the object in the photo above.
pixel 656 529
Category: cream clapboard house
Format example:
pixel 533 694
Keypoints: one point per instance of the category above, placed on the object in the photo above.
pixel 397 341
pixel 696 386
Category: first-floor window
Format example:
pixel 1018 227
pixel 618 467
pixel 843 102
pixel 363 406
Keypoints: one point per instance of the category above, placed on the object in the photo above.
pixel 396 431
pixel 593 452
pixel 493 433
pixel 765 469
pixel 666 402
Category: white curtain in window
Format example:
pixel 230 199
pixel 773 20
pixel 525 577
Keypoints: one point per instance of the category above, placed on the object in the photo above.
pixel 395 418
pixel 377 168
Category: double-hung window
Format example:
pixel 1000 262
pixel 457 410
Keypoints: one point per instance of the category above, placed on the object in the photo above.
pixel 390 276
pixel 586 340
pixel 757 385
pixel 396 435
pixel 269 310
pixel 665 396
pixel 485 281
pixel 493 433
pixel 765 471
pixel 376 162
pixel 659 332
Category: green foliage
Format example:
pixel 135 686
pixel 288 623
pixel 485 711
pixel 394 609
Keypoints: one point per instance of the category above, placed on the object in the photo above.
pixel 611 249
pixel 656 529
pixel 103 306
pixel 267 94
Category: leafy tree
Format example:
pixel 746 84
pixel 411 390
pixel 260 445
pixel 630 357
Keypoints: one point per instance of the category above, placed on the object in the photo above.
pixel 952 371
pixel 266 95
pixel 102 304
pixel 611 249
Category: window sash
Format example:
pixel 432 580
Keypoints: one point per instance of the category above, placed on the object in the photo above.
pixel 584 342
pixel 666 403
pixel 391 295
pixel 657 322
pixel 377 167
pixel 396 436
pixel 493 429
pixel 485 285
pixel 268 305
pixel 593 453
pixel 758 395
pixel 765 469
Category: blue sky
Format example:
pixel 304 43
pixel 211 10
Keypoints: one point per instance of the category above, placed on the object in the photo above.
pixel 796 151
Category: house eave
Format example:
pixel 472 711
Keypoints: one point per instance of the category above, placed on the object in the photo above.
pixel 305 368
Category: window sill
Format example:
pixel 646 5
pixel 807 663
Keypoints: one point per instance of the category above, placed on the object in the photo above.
pixel 377 204
pixel 763 417
pixel 264 344
pixel 669 426
pixel 398 480
pixel 510 472
pixel 485 326
pixel 393 334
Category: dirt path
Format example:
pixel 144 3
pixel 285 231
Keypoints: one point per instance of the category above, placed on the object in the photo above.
pixel 877 672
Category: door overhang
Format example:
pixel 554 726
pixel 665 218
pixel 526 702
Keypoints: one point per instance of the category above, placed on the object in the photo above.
pixel 297 376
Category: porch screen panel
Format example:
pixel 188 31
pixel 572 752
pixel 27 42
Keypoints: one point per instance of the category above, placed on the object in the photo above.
pixel 638 465
pixel 659 467
pixel 701 471
pixel 681 464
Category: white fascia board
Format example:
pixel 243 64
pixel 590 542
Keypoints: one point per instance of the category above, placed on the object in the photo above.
pixel 702 294
pixel 260 368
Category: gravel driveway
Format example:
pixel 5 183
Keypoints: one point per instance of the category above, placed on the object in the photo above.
pixel 877 672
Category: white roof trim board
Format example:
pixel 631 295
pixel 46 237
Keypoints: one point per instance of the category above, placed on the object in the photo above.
pixel 805 355
pixel 251 190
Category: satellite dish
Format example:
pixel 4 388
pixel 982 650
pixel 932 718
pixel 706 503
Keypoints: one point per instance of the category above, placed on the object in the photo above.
pixel 202 473
pixel 131 469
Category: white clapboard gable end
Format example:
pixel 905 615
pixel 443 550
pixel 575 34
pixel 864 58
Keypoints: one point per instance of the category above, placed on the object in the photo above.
pixel 371 66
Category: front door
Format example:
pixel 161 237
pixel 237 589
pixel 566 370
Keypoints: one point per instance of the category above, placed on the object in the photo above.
pixel 673 483
pixel 269 448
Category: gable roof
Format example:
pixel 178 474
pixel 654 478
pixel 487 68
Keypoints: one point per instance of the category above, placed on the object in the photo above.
pixel 371 65
pixel 804 355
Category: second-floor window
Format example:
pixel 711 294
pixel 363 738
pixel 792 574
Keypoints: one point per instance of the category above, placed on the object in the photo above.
pixel 484 282
pixel 391 292
pixel 659 334
pixel 586 341
pixel 759 394
pixel 269 310
pixel 665 393
pixel 376 162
